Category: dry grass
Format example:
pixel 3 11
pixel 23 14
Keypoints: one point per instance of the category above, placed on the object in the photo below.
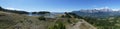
pixel 17 21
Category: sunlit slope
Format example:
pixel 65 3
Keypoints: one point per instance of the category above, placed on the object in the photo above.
pixel 17 21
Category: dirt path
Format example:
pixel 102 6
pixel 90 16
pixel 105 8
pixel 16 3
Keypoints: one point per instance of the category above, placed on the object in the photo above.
pixel 76 26
pixel 81 25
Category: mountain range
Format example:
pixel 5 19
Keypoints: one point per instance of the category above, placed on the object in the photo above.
pixel 103 12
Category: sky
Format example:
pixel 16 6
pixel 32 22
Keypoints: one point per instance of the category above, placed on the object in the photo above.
pixel 58 5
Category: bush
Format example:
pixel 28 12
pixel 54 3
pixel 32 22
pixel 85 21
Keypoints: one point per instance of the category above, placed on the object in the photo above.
pixel 42 18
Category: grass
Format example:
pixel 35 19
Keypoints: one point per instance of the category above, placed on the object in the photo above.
pixel 12 21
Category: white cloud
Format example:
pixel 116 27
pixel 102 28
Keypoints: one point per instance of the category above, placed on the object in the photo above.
pixel 14 9
pixel 10 8
pixel 115 9
pixel 103 8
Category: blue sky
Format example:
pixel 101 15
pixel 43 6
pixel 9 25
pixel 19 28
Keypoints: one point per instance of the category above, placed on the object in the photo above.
pixel 58 5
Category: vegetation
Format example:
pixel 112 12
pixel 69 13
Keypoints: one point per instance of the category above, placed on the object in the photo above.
pixel 58 25
pixel 13 11
pixel 8 20
pixel 71 15
pixel 42 18
pixel 41 12
pixel 1 8
pixel 102 23
pixel 17 21
pixel 34 13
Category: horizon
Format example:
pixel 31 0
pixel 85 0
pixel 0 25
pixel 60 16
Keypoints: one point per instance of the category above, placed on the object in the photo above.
pixel 71 11
pixel 58 5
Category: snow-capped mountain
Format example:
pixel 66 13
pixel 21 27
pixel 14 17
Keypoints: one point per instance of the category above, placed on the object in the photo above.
pixel 103 12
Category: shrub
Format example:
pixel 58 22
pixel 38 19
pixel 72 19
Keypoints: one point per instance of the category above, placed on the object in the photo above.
pixel 42 18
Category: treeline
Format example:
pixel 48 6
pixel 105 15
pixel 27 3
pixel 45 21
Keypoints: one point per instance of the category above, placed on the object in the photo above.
pixel 13 11
pixel 41 12
pixel 23 12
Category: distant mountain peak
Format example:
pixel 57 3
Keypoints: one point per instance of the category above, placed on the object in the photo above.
pixel 98 12
pixel 104 9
